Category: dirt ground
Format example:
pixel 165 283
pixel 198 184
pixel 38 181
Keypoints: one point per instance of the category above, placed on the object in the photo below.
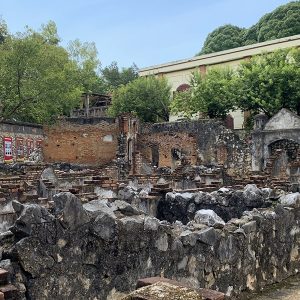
pixel 289 290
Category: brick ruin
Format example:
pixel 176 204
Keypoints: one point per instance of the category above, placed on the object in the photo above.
pixel 20 142
pixel 268 156
pixel 102 203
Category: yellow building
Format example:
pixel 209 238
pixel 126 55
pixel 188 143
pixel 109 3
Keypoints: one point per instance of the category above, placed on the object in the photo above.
pixel 179 72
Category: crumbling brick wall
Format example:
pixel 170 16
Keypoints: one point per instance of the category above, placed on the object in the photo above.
pixel 168 144
pixel 81 143
pixel 24 136
pixel 201 141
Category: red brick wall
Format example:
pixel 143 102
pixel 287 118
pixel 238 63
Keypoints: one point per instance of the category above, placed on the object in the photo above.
pixel 82 144
pixel 166 142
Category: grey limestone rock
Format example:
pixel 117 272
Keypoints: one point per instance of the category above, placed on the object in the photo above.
pixel 127 194
pixel 275 194
pixel 151 224
pixel 70 211
pixel 223 190
pixel 33 257
pixel 253 196
pixel 17 206
pixel 202 197
pixel 29 216
pixel 188 238
pixel 104 226
pixel 266 192
pixel 125 208
pixel 132 223
pixel 49 174
pixel 208 217
pixel 249 227
pixel 291 200
pixel 208 236
pixel 96 207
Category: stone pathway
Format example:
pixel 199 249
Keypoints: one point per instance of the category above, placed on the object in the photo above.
pixel 289 290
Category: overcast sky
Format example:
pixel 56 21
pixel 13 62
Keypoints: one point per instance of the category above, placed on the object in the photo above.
pixel 146 32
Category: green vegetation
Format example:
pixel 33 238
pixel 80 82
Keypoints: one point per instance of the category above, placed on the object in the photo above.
pixel 269 82
pixel 223 38
pixel 40 80
pixel 3 31
pixel 36 78
pixel 85 57
pixel 266 83
pixel 282 22
pixel 210 94
pixel 148 98
pixel 114 77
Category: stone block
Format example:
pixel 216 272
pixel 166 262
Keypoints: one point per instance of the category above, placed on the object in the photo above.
pixel 9 291
pixel 206 294
pixel 212 295
pixel 249 227
pixel 3 276
pixel 164 290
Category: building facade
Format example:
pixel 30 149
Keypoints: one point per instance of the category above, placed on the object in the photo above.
pixel 178 73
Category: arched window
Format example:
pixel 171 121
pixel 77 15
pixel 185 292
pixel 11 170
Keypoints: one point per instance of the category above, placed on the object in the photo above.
pixel 183 87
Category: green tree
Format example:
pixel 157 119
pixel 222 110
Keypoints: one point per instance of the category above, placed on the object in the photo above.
pixel 37 80
pixel 50 34
pixel 282 22
pixel 211 94
pixel 223 38
pixel 129 74
pixel 148 98
pixel 85 56
pixel 270 82
pixel 114 77
pixel 46 34
pixel 3 30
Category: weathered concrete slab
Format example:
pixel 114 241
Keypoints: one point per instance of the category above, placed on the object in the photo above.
pixel 205 293
pixel 164 290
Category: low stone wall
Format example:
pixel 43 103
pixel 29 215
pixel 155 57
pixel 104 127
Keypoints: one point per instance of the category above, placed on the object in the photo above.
pixel 226 203
pixel 100 249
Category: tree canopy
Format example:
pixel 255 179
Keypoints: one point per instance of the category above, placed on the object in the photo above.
pixel 36 79
pixel 40 79
pixel 269 82
pixel 3 30
pixel 114 77
pixel 148 98
pixel 223 38
pixel 282 22
pixel 210 94
pixel 85 56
